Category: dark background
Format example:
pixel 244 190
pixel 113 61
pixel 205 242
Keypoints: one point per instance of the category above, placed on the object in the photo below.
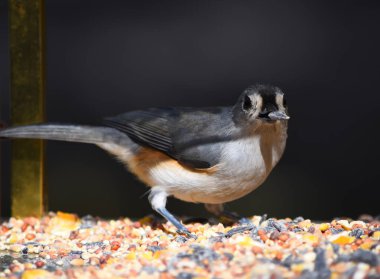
pixel 108 57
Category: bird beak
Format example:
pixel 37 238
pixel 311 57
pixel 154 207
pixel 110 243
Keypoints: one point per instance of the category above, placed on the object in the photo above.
pixel 278 115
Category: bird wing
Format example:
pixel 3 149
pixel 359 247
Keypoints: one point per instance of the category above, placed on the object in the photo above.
pixel 146 127
pixel 184 134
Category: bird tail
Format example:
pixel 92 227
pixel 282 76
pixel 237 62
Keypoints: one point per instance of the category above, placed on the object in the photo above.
pixel 74 133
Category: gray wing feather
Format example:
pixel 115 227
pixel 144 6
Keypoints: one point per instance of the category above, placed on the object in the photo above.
pixel 190 136
pixel 145 128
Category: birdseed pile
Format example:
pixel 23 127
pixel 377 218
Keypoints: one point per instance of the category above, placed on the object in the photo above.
pixel 63 246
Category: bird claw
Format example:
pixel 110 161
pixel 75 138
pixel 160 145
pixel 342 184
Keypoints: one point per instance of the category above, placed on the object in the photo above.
pixel 187 233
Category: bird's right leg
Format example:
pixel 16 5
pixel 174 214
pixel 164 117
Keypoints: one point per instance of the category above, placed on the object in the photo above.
pixel 158 197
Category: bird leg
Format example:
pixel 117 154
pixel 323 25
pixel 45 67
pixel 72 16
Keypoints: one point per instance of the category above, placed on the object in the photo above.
pixel 219 211
pixel 157 198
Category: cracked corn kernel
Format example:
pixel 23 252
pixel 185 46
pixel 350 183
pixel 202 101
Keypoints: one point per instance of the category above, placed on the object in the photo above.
pixel 36 274
pixel 324 227
pixel 343 240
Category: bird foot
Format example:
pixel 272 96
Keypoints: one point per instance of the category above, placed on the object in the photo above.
pixel 187 233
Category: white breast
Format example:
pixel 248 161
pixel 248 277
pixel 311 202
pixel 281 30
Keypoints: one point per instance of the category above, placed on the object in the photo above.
pixel 245 164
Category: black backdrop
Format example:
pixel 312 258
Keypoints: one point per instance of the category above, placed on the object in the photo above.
pixel 107 57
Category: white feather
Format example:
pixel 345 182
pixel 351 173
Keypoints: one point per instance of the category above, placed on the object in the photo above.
pixel 245 164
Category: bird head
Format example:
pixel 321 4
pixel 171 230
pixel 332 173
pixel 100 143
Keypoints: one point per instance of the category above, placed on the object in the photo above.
pixel 259 102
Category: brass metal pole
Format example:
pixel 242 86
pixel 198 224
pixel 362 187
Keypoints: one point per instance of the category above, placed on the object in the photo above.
pixel 27 105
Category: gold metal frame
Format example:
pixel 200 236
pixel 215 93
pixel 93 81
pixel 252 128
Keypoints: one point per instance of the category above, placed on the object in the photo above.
pixel 27 40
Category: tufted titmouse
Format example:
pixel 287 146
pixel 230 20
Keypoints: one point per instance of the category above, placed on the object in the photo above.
pixel 207 155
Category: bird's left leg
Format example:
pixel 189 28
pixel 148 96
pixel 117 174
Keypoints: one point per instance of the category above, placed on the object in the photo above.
pixel 219 211
pixel 158 197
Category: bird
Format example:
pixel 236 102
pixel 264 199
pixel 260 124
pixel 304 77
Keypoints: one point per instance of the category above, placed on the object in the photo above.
pixel 209 155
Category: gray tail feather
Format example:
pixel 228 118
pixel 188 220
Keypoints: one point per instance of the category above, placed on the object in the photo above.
pixel 75 133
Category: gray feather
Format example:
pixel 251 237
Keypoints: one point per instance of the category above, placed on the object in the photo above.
pixel 191 136
pixel 74 133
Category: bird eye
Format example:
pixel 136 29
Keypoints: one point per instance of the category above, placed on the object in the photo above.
pixel 247 103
